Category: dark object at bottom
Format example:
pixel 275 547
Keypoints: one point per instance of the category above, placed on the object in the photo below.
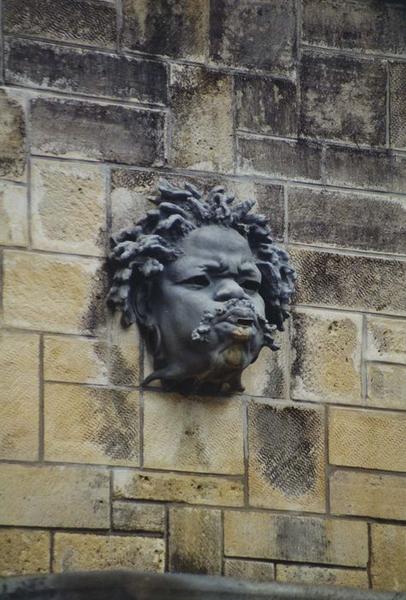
pixel 127 585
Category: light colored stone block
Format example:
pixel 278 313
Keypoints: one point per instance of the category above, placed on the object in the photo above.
pixel 386 387
pixel 13 214
pixel 303 574
pixel 249 570
pixel 139 516
pixel 124 353
pixel 75 359
pixel 24 552
pixel 386 339
pixel 388 557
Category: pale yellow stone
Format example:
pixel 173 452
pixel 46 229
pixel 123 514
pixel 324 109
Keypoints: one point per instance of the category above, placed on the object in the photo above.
pixel 303 574
pixel 193 433
pixel 129 196
pixel 139 516
pixel 297 539
pixel 23 552
pixel 388 557
pixel 177 487
pixel 386 387
pixel 12 136
pixel 19 396
pixel 54 496
pixel 386 339
pixel 249 570
pixel 13 214
pixel 89 552
pixel 124 353
pixel 367 438
pixel 75 359
pixel 68 211
pixel 51 293
pixel 368 495
pixel 91 425
pixel 267 376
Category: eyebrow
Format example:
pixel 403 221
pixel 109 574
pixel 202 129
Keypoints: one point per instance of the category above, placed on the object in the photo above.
pixel 219 267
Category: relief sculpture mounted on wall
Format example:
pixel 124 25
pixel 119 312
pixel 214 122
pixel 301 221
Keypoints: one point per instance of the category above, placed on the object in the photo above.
pixel 205 283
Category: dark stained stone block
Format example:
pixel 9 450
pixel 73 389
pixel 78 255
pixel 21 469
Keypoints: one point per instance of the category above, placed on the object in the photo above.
pixel 85 71
pixel 266 105
pixel 270 202
pixel 97 131
pixel 12 137
pixel 343 99
pixel 76 21
pixel 258 35
pixel 398 104
pixel 347 219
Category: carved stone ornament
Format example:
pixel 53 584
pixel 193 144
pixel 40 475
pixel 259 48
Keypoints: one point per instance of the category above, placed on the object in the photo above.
pixel 206 284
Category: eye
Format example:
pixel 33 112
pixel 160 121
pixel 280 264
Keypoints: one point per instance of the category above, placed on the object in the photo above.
pixel 250 284
pixel 197 281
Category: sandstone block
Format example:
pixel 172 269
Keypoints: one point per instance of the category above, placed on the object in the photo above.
pixel 124 353
pixel 388 557
pixel 12 138
pixel 129 196
pixel 249 570
pixel 367 438
pixel 267 536
pixel 397 105
pixel 75 360
pixel 286 457
pixel 132 516
pixel 89 552
pixel 54 496
pixel 386 387
pixel 100 427
pixel 368 495
pixel 193 434
pixel 195 540
pixel 327 357
pixel 108 132
pixel 386 340
pixel 13 214
pixel 303 574
pixel 202 119
pixel 68 207
pixel 23 552
pixel 268 376
pixel 53 293
pixel 19 385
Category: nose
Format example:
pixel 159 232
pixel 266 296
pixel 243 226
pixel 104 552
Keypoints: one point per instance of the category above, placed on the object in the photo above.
pixel 228 289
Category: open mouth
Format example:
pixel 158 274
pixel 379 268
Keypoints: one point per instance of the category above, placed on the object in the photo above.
pixel 244 322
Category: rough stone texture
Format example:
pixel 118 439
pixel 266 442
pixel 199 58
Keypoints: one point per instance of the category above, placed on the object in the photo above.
pixel 131 516
pixel 76 21
pixel 287 160
pixel 368 495
pixel 367 438
pixel 76 129
pixel 53 293
pixel 202 119
pixel 54 496
pixel 193 433
pixel 268 375
pixel 101 425
pixel 178 29
pixel 298 574
pixel 266 105
pixel 386 340
pixel 354 282
pixel 397 104
pixel 343 99
pixel 19 386
pixel 129 196
pixel 286 457
pixel 124 353
pixel 12 137
pixel 89 552
pixel 249 570
pixel 13 214
pixel 326 541
pixel 388 557
pixel 327 357
pixel 68 207
pixel 23 552
pixel 259 35
pixel 195 540
pixel 75 360
pixel 347 220
pixel 73 70
pixel 386 386
pixel 176 487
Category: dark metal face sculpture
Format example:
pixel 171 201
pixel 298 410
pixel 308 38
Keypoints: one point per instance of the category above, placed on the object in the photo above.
pixel 206 285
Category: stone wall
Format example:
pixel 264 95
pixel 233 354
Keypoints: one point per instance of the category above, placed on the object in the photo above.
pixel 300 104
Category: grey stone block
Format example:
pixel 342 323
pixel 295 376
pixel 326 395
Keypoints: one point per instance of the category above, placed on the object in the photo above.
pixel 398 104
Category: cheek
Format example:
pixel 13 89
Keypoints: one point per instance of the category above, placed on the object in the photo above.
pixel 182 308
pixel 259 304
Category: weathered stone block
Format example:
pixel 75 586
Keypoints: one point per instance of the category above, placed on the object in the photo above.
pixel 347 219
pixel 386 387
pixel 266 105
pixel 68 207
pixel 268 376
pixel 397 104
pixel 287 160
pixel 343 99
pixel 132 516
pixel 54 496
pixel 286 468
pixel 354 282
pixel 249 570
pixel 178 29
pixel 73 70
pixel 303 574
pixel 12 137
pixel 24 552
pixel 177 487
pixel 108 132
pixel 75 360
pixel 89 552
pixel 386 340
pixel 368 495
pixel 124 353
pixel 202 119
pixel 195 540
pixel 53 293
pixel 259 35
pixel 19 385
pixel 367 438
pixel 129 196
pixel 13 214
pixel 101 425
pixel 325 541
pixel 388 557
pixel 208 434
pixel 78 21
pixel 327 357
